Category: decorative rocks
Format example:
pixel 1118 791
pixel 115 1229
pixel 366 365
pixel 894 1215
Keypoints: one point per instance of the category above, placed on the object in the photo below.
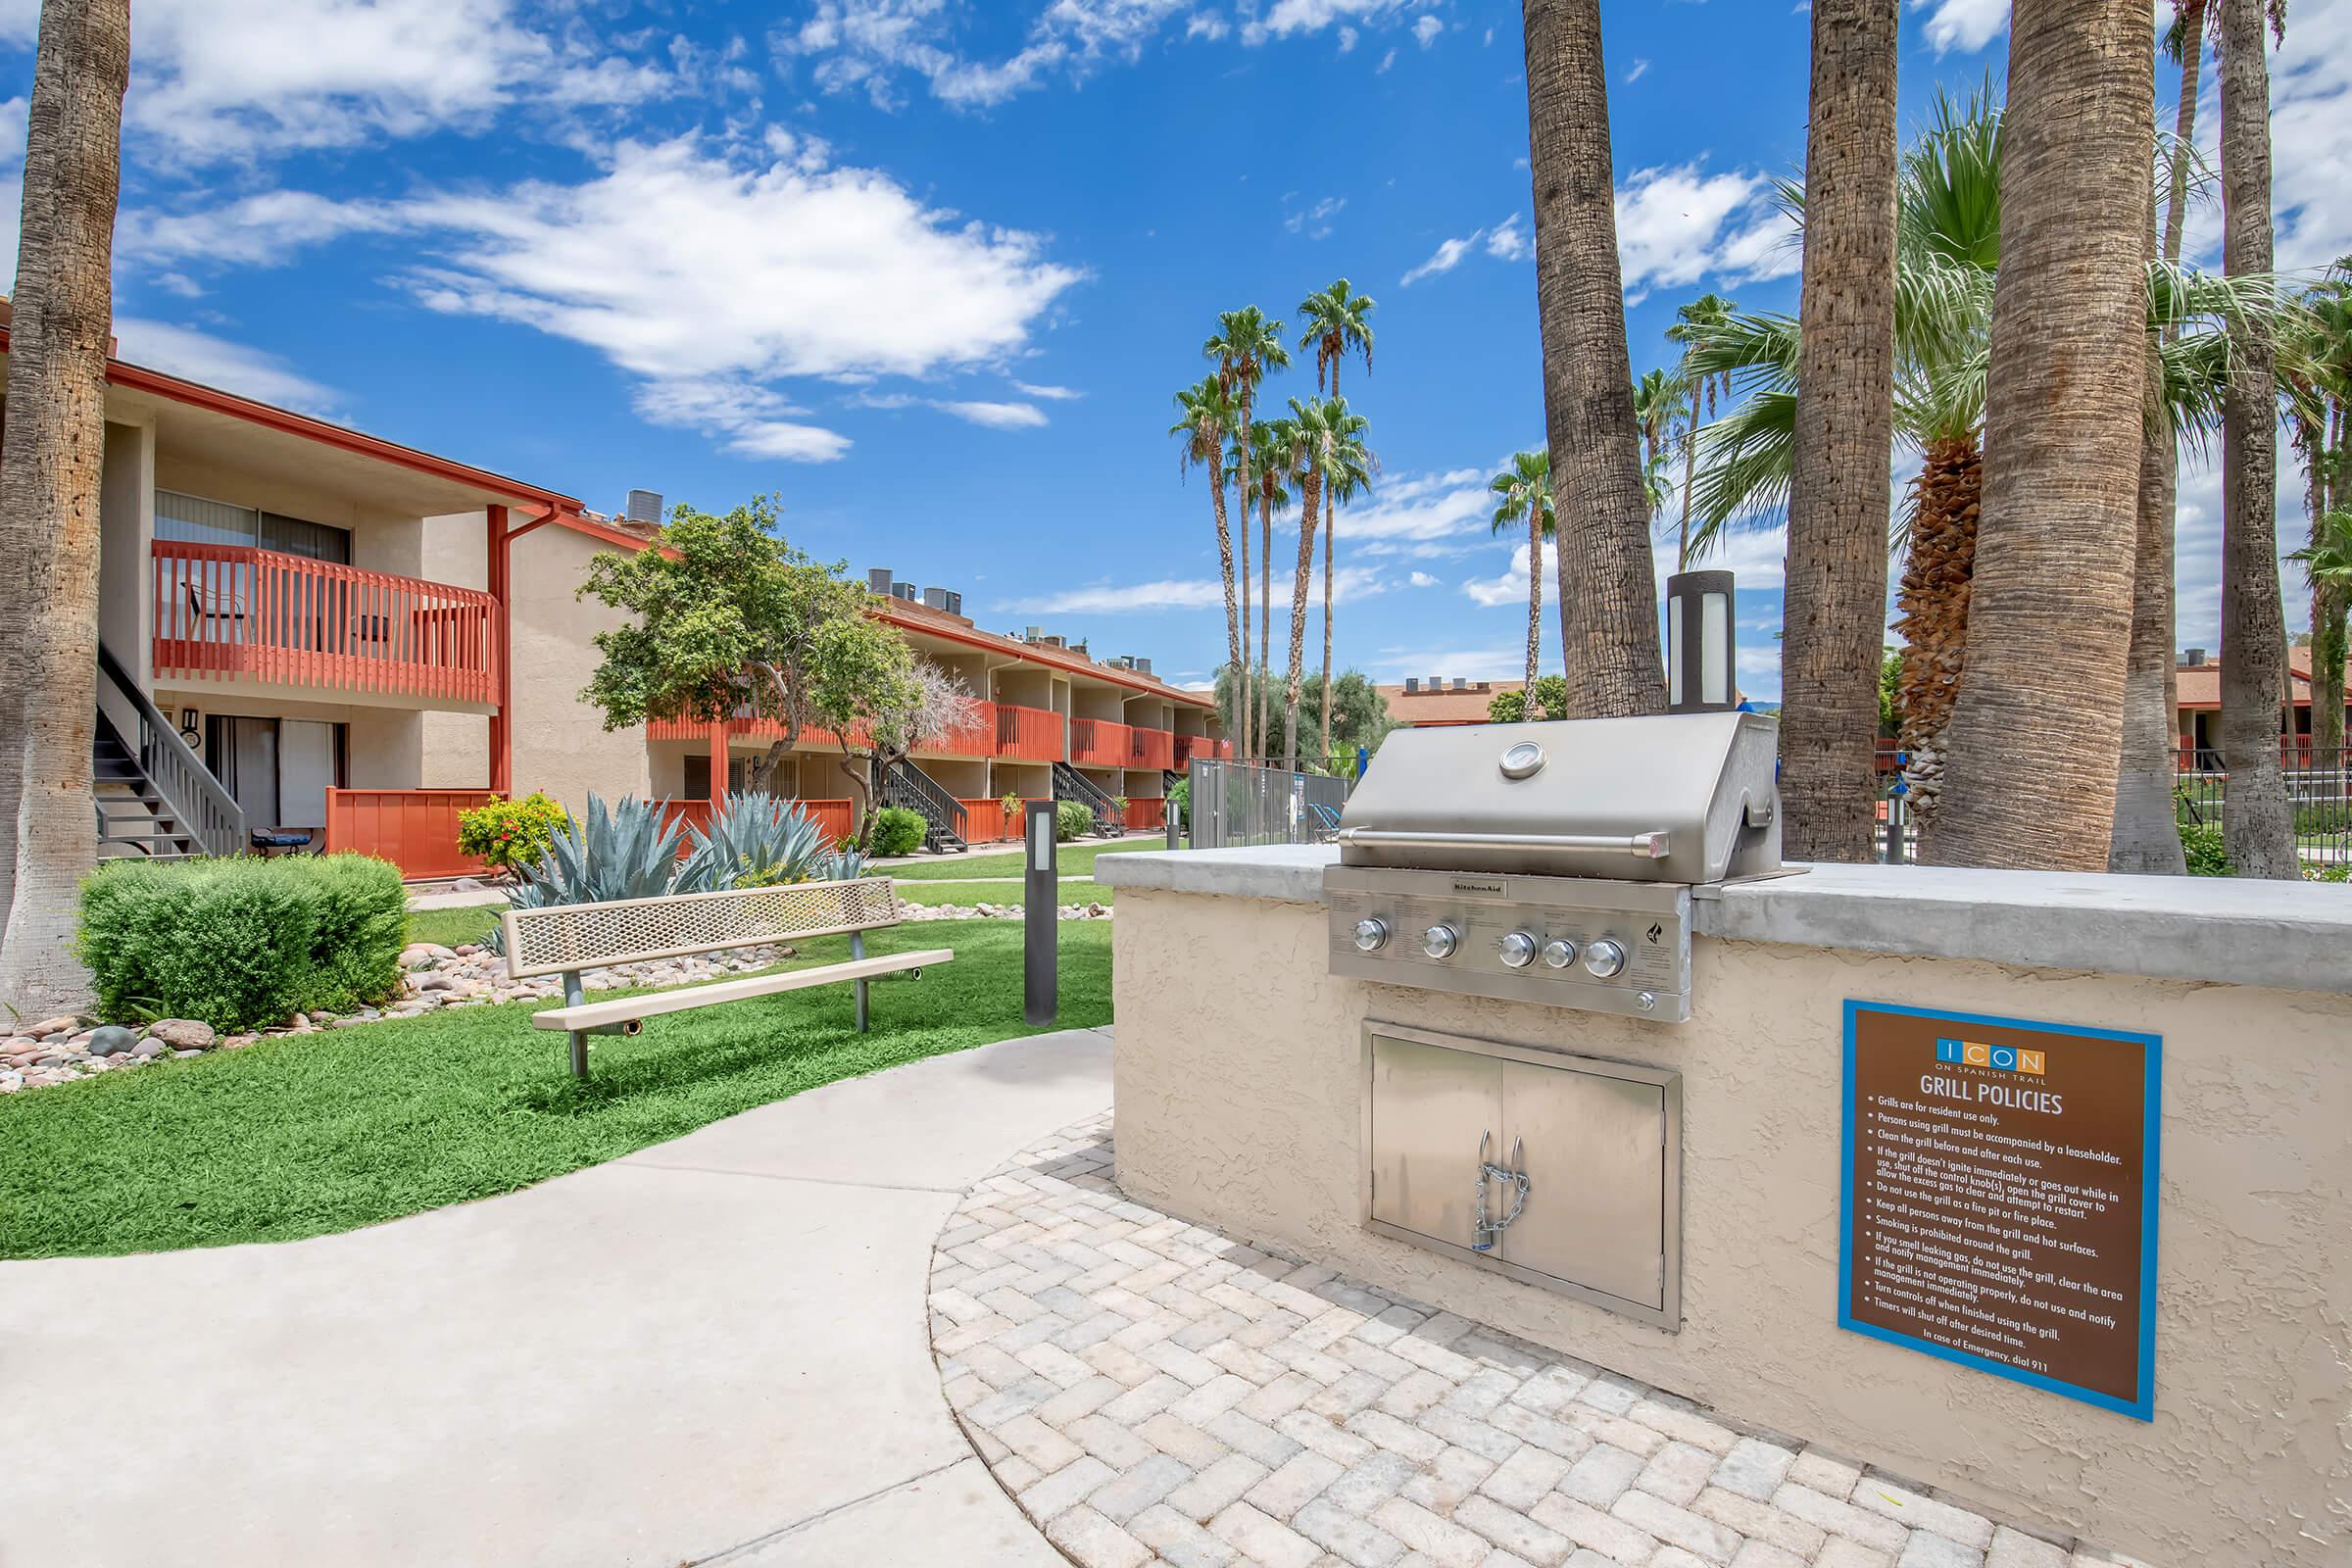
pixel 111 1040
pixel 1151 1391
pixel 182 1034
pixel 1000 911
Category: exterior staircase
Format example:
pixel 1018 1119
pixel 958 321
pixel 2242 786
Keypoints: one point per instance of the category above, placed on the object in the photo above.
pixel 154 796
pixel 1071 785
pixel 945 822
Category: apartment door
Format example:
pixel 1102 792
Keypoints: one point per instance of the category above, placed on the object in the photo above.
pixel 278 770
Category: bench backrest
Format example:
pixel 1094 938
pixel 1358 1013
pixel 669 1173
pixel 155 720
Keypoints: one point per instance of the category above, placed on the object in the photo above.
pixel 586 936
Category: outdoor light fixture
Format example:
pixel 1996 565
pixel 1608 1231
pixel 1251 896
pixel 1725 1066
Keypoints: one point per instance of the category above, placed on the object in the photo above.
pixel 1041 926
pixel 1700 658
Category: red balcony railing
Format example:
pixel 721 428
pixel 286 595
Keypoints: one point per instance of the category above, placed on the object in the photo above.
pixel 1189 747
pixel 224 611
pixel 1099 743
pixel 1028 734
pixel 976 736
pixel 1150 748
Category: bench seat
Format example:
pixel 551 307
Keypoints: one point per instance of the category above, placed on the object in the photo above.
pixel 623 1010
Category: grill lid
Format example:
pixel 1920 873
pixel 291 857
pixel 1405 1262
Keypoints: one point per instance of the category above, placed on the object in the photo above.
pixel 1673 798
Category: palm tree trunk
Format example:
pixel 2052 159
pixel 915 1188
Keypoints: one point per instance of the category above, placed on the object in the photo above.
pixel 49 485
pixel 1265 627
pixel 1609 628
pixel 1682 547
pixel 2147 834
pixel 2037 734
pixel 1534 600
pixel 2257 824
pixel 1241 671
pixel 1309 495
pixel 1834 606
pixel 1932 607
pixel 1234 613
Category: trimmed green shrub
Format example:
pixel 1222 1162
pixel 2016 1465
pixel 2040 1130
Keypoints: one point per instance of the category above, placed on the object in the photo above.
pixel 897 830
pixel 2201 843
pixel 1180 801
pixel 510 836
pixel 1073 819
pixel 244 942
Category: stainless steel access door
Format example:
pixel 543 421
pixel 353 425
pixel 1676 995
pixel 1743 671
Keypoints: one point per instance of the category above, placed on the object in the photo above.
pixel 1599 1141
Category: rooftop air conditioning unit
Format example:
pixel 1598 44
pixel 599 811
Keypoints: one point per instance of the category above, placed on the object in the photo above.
pixel 877 580
pixel 945 599
pixel 643 506
pixel 1050 642
pixel 1141 667
pixel 903 590
pixel 1035 634
pixel 1460 683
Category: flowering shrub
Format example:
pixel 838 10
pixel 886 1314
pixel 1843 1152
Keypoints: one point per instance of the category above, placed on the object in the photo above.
pixel 510 836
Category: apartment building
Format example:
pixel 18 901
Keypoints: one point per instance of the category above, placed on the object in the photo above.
pixel 312 637
pixel 1053 722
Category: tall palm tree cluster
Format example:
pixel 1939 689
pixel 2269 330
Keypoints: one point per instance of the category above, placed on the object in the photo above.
pixel 1319 449
pixel 2040 389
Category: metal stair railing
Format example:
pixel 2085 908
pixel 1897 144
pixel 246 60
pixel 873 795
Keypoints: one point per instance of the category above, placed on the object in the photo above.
pixel 1071 785
pixel 192 797
pixel 945 817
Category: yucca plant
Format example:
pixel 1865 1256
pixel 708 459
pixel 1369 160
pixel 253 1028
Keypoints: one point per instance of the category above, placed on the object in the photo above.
pixel 628 849
pixel 756 841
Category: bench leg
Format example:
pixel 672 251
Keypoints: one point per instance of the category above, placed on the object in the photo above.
pixel 857 951
pixel 575 994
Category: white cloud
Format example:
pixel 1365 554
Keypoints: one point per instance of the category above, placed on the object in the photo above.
pixel 870 44
pixel 1426 31
pixel 1420 515
pixel 1639 70
pixel 1290 16
pixel 2311 134
pixel 995 415
pixel 1676 225
pixel 1053 394
pixel 216 362
pixel 1205 593
pixel 1500 664
pixel 1507 241
pixel 1967 26
pixel 1422 580
pixel 1314 221
pixel 1509 587
pixel 1445 259
pixel 711 279
pixel 244 79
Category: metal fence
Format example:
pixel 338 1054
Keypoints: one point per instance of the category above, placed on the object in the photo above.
pixel 2318 787
pixel 1234 804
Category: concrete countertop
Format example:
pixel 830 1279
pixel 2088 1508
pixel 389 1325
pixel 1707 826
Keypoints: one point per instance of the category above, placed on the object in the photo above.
pixel 2293 935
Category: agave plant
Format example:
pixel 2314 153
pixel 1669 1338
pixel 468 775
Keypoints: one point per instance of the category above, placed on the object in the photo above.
pixel 755 841
pixel 628 849
pixel 845 865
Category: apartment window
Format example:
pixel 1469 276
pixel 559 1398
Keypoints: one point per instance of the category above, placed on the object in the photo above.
pixel 192 519
pixel 279 770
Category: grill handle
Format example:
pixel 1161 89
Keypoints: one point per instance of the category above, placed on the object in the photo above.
pixel 1645 846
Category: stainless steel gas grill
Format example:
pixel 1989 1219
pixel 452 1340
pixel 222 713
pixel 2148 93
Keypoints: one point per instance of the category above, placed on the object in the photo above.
pixel 1551 862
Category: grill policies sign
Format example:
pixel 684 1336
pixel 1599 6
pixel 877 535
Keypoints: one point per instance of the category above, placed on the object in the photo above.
pixel 1999 1197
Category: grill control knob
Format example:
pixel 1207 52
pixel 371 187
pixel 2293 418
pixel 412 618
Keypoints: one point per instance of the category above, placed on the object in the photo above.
pixel 1604 960
pixel 1371 935
pixel 1559 953
pixel 1439 940
pixel 1518 951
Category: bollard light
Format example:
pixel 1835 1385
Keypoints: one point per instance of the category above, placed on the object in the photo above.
pixel 1040 923
pixel 1701 675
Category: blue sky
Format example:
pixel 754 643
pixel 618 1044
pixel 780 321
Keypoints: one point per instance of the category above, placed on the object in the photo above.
pixel 932 271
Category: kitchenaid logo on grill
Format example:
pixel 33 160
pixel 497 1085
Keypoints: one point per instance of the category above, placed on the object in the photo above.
pixel 1460 886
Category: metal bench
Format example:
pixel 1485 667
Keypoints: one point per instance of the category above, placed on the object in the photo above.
pixel 568 938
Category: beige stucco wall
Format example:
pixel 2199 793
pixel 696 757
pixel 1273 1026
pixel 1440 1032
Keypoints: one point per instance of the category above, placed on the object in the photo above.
pixel 382 539
pixel 126 535
pixel 1239 1107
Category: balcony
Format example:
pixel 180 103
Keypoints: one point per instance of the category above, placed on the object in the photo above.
pixel 1153 748
pixel 1028 734
pixel 976 736
pixel 225 611
pixel 996 729
pixel 1099 743
pixel 1190 748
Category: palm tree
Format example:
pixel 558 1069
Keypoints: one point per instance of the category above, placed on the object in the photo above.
pixel 1609 629
pixel 1274 449
pixel 1338 324
pixel 1695 325
pixel 2328 569
pixel 1205 414
pixel 1331 460
pixel 1657 416
pixel 1948 245
pixel 1246 348
pixel 1834 609
pixel 2315 365
pixel 2036 733
pixel 1525 489
pixel 2257 824
pixel 49 483
pixel 1237 474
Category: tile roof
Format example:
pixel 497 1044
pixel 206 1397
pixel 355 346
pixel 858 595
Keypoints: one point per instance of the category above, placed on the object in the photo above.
pixel 2201 684
pixel 1425 706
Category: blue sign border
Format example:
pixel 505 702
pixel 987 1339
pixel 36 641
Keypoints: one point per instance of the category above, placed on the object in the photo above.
pixel 2152 1079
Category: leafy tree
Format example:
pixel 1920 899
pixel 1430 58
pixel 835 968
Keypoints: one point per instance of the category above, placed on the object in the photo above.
pixel 885 703
pixel 1891 688
pixel 731 621
pixel 1550 695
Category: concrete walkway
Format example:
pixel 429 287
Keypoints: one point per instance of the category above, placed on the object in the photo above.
pixel 710 1352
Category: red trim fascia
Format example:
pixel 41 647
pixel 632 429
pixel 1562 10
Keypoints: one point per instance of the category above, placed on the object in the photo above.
pixel 1028 653
pixel 139 379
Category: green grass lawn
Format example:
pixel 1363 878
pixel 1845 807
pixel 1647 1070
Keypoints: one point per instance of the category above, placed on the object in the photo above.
pixel 450 927
pixel 969 893
pixel 309 1135
pixel 1076 860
